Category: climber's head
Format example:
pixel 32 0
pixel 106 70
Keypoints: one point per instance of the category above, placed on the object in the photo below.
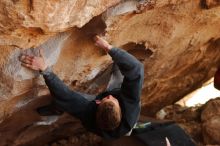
pixel 108 116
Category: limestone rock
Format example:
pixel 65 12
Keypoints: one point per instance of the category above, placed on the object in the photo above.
pixel 26 127
pixel 12 72
pixel 178 42
pixel 186 117
pixel 210 3
pixel 202 122
pixel 180 47
pixel 27 23
pixel 211 122
pixel 211 130
pixel 211 109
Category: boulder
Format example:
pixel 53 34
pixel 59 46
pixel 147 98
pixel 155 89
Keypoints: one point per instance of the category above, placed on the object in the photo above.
pixel 178 42
pixel 180 47
pixel 211 122
pixel 27 23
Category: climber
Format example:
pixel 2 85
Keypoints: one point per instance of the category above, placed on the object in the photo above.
pixel 110 114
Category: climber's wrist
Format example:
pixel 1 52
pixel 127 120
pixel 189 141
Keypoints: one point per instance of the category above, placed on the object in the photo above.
pixel 45 71
pixel 43 68
pixel 108 48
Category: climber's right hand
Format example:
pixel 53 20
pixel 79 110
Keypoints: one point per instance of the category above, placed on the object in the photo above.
pixel 102 43
pixel 34 62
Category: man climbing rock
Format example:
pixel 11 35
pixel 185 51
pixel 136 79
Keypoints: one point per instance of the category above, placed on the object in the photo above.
pixel 112 113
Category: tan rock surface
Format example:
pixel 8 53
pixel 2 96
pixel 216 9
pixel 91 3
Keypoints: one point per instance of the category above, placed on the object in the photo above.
pixel 211 122
pixel 178 42
pixel 202 122
pixel 186 117
pixel 16 79
pixel 211 130
pixel 210 3
pixel 27 23
pixel 184 41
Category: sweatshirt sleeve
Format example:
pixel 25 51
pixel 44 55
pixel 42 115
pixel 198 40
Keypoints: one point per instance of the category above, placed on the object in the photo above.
pixel 64 98
pixel 133 72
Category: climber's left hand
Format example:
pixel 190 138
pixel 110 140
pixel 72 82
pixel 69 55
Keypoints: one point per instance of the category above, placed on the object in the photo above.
pixel 34 62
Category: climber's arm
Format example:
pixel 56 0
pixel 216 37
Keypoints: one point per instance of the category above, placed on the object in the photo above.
pixel 130 67
pixel 133 72
pixel 65 99
pixel 56 86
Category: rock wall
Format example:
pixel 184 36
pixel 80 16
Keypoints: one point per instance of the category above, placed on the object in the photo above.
pixel 200 122
pixel 211 122
pixel 27 23
pixel 184 41
pixel 178 41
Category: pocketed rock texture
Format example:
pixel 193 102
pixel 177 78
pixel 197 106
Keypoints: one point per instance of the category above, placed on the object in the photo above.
pixel 187 118
pixel 178 42
pixel 211 122
pixel 184 40
pixel 200 122
pixel 27 23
